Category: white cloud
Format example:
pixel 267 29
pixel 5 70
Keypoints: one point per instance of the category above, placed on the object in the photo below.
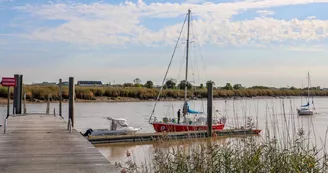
pixel 101 23
pixel 265 13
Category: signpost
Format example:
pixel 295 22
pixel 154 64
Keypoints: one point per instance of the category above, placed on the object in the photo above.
pixel 8 82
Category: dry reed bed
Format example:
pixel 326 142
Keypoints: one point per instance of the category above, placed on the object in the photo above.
pixel 91 93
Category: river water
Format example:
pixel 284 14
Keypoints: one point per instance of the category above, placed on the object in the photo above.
pixel 274 115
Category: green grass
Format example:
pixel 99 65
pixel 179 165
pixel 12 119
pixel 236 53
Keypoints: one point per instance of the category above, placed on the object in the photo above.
pixel 91 93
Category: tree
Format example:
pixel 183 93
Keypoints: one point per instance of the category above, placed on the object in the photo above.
pixel 170 83
pixel 237 86
pixel 137 81
pixel 259 87
pixel 128 85
pixel 211 81
pixel 149 84
pixel 183 84
pixel 201 86
pixel 228 86
pixel 292 88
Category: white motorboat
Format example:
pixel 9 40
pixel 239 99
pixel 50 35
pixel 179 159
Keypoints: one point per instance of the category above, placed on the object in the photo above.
pixel 119 126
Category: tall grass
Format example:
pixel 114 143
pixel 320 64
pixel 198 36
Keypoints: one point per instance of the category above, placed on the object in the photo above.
pixel 285 147
pixel 91 93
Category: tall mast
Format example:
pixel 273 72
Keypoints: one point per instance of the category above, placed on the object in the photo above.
pixel 308 99
pixel 187 55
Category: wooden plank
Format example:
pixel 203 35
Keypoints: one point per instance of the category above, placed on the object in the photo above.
pixel 41 143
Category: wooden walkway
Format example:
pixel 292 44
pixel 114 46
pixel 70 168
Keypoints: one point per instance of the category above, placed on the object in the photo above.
pixel 41 143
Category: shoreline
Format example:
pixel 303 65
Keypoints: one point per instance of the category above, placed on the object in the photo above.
pixel 3 101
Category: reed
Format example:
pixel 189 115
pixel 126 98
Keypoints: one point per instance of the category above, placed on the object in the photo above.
pixel 91 93
pixel 285 146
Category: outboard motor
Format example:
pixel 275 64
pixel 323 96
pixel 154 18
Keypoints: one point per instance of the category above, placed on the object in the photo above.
pixel 223 120
pixel 88 132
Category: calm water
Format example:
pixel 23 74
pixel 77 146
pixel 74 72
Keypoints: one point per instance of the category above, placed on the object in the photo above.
pixel 263 111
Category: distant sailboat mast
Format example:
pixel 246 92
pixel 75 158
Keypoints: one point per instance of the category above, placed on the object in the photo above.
pixel 308 98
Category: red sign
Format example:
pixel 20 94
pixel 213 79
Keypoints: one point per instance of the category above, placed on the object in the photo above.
pixel 8 81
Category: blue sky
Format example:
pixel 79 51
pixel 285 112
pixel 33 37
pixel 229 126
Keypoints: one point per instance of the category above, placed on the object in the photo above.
pixel 252 42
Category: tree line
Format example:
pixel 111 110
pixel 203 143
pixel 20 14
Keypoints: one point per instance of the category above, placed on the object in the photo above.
pixel 174 84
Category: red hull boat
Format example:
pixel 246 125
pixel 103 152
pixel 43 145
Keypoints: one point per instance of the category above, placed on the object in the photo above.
pixel 160 127
pixel 193 120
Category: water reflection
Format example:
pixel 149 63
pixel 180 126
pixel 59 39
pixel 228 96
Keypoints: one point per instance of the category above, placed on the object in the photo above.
pixel 142 152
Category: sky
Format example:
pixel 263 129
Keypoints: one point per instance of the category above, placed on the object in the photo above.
pixel 248 42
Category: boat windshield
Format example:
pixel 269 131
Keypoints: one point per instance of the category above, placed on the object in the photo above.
pixel 122 123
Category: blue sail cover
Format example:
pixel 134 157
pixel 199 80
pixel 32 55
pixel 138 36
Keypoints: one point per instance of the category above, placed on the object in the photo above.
pixel 308 104
pixel 192 111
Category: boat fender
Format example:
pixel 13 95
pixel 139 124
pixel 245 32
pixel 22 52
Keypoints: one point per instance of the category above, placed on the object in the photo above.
pixel 88 132
pixel 163 128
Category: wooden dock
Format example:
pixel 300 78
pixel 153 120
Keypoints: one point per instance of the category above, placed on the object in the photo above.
pixel 41 143
pixel 140 137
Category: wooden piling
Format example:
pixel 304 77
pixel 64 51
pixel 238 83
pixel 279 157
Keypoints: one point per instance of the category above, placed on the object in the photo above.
pixel 48 105
pixel 209 108
pixel 8 102
pixel 60 97
pixel 71 100
pixel 24 103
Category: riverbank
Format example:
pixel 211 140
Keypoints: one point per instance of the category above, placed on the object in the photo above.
pixel 36 94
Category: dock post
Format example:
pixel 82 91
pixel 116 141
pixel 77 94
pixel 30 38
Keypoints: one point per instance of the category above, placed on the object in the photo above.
pixel 8 102
pixel 24 103
pixel 5 126
pixel 71 91
pixel 48 105
pixel 209 108
pixel 18 91
pixel 54 112
pixel 60 97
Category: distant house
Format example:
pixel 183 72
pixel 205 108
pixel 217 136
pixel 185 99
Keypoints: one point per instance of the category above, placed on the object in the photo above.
pixel 324 89
pixel 89 83
pixel 45 84
pixel 64 83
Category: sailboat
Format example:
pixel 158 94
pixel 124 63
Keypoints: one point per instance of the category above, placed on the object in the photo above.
pixel 305 109
pixel 196 123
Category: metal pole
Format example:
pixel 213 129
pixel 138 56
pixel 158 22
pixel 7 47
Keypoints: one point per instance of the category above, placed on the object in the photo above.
pixel 209 108
pixel 60 97
pixel 71 91
pixel 8 102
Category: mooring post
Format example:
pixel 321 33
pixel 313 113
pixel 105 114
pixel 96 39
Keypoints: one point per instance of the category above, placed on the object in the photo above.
pixel 5 126
pixel 71 91
pixel 48 105
pixel 60 97
pixel 209 108
pixel 8 102
pixel 54 112
pixel 24 103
